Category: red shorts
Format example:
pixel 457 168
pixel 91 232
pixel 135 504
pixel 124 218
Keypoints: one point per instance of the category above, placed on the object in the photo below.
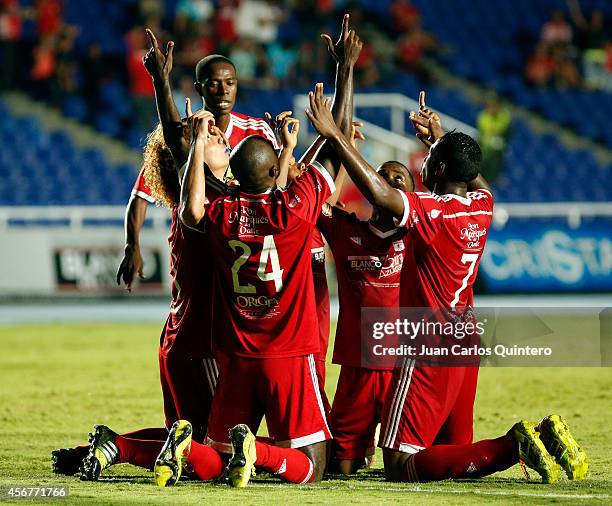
pixel 284 390
pixel 357 410
pixel 427 406
pixel 320 367
pixel 188 385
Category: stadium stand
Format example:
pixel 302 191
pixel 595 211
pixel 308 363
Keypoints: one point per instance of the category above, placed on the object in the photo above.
pixel 55 172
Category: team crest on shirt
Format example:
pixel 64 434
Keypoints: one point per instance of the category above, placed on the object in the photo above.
pixel 398 245
pixel 294 201
pixel 435 213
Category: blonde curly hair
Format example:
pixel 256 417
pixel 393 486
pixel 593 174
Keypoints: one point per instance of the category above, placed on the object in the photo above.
pixel 160 172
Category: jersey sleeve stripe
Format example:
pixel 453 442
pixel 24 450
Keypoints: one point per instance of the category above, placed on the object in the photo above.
pixel 325 174
pixel 465 213
pixel 404 220
pixel 143 195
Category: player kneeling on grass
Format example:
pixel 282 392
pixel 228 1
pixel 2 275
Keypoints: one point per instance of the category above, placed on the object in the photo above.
pixel 428 417
pixel 187 379
pixel 258 234
pixel 368 257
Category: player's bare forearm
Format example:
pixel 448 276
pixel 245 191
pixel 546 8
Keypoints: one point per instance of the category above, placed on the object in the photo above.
pixel 135 214
pixel 339 182
pixel 343 98
pixel 171 122
pixel 374 188
pixel 284 161
pixel 479 183
pixel 193 186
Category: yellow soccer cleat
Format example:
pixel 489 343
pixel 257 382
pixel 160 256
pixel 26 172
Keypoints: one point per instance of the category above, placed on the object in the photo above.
pixel 170 461
pixel 242 464
pixel 559 442
pixel 532 451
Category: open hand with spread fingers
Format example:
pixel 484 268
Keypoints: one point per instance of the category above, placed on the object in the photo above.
pixel 158 64
pixel 320 114
pixel 426 123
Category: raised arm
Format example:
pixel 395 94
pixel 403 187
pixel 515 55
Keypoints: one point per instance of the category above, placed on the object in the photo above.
pixel 378 192
pixel 193 183
pixel 345 52
pixel 428 127
pixel 159 66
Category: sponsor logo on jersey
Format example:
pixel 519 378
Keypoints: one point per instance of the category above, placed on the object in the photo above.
pixel 248 219
pixel 386 265
pixel 472 234
pixel 256 301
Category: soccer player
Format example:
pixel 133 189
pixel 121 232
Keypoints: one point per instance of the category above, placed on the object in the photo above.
pixel 217 84
pixel 266 323
pixel 187 382
pixel 369 256
pixel 427 420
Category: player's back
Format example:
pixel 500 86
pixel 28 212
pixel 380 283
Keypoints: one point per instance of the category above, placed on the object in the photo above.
pixel 261 246
pixel 449 234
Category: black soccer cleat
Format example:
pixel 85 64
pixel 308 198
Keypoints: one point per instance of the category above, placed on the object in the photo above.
pixel 68 460
pixel 103 453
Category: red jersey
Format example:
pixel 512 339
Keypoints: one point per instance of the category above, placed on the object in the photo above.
pixel 368 267
pixel 319 278
pixel 260 243
pixel 240 127
pixel 449 234
pixel 188 327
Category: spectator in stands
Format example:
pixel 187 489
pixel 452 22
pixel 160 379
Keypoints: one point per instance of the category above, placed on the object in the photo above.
pixel 225 22
pixel 259 20
pixel 43 67
pixel 197 42
pixel 97 70
pixel 404 16
pixel 10 35
pixel 540 67
pixel 412 48
pixel 493 132
pixel 250 62
pixel 557 31
pixel 283 58
pixel 49 17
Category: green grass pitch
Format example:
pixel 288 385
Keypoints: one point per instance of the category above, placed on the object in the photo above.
pixel 58 380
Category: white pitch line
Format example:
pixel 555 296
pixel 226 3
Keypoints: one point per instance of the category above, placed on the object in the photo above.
pixel 551 495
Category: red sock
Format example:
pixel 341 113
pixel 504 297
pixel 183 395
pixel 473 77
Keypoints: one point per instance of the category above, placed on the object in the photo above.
pixel 153 433
pixel 139 452
pixel 205 462
pixel 441 462
pixel 291 464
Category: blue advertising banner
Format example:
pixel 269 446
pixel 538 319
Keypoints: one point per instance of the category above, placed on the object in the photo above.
pixel 548 256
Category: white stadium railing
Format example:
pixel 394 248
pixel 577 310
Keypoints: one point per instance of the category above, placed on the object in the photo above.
pixel 75 217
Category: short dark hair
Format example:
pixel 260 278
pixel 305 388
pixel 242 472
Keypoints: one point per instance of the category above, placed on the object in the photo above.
pixel 203 66
pixel 461 154
pixel 251 160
